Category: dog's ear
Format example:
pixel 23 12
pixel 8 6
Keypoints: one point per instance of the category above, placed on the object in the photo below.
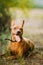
pixel 23 23
pixel 12 23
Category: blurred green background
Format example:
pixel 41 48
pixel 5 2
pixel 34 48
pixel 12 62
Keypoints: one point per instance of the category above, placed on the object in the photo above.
pixel 31 11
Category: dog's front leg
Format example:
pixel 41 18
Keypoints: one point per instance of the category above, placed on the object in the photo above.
pixel 11 57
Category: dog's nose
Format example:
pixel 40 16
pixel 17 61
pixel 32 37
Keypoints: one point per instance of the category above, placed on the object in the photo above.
pixel 18 32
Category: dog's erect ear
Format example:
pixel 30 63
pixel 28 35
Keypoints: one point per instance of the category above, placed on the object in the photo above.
pixel 12 23
pixel 23 23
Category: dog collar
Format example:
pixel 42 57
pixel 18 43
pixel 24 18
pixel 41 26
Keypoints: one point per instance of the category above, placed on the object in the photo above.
pixel 11 40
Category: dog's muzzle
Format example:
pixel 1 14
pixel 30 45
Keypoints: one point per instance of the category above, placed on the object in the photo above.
pixel 18 32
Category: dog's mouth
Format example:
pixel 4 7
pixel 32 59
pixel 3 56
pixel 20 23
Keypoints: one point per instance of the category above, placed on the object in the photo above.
pixel 17 38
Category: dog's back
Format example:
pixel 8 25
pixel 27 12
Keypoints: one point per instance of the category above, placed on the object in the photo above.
pixel 30 43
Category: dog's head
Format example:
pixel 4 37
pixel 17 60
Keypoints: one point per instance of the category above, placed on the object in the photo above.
pixel 17 31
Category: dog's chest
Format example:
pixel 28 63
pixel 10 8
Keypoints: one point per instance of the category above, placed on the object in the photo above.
pixel 18 47
pixel 15 46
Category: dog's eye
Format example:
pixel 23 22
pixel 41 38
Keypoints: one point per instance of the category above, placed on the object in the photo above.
pixel 15 28
pixel 21 29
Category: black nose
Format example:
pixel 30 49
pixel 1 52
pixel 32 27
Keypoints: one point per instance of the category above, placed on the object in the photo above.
pixel 18 32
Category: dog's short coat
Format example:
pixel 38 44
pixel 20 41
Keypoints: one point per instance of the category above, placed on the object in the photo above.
pixel 19 46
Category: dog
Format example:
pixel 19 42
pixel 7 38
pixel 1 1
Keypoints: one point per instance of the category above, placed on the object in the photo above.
pixel 19 46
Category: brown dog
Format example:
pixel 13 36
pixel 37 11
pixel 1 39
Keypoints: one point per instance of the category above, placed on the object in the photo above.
pixel 19 46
